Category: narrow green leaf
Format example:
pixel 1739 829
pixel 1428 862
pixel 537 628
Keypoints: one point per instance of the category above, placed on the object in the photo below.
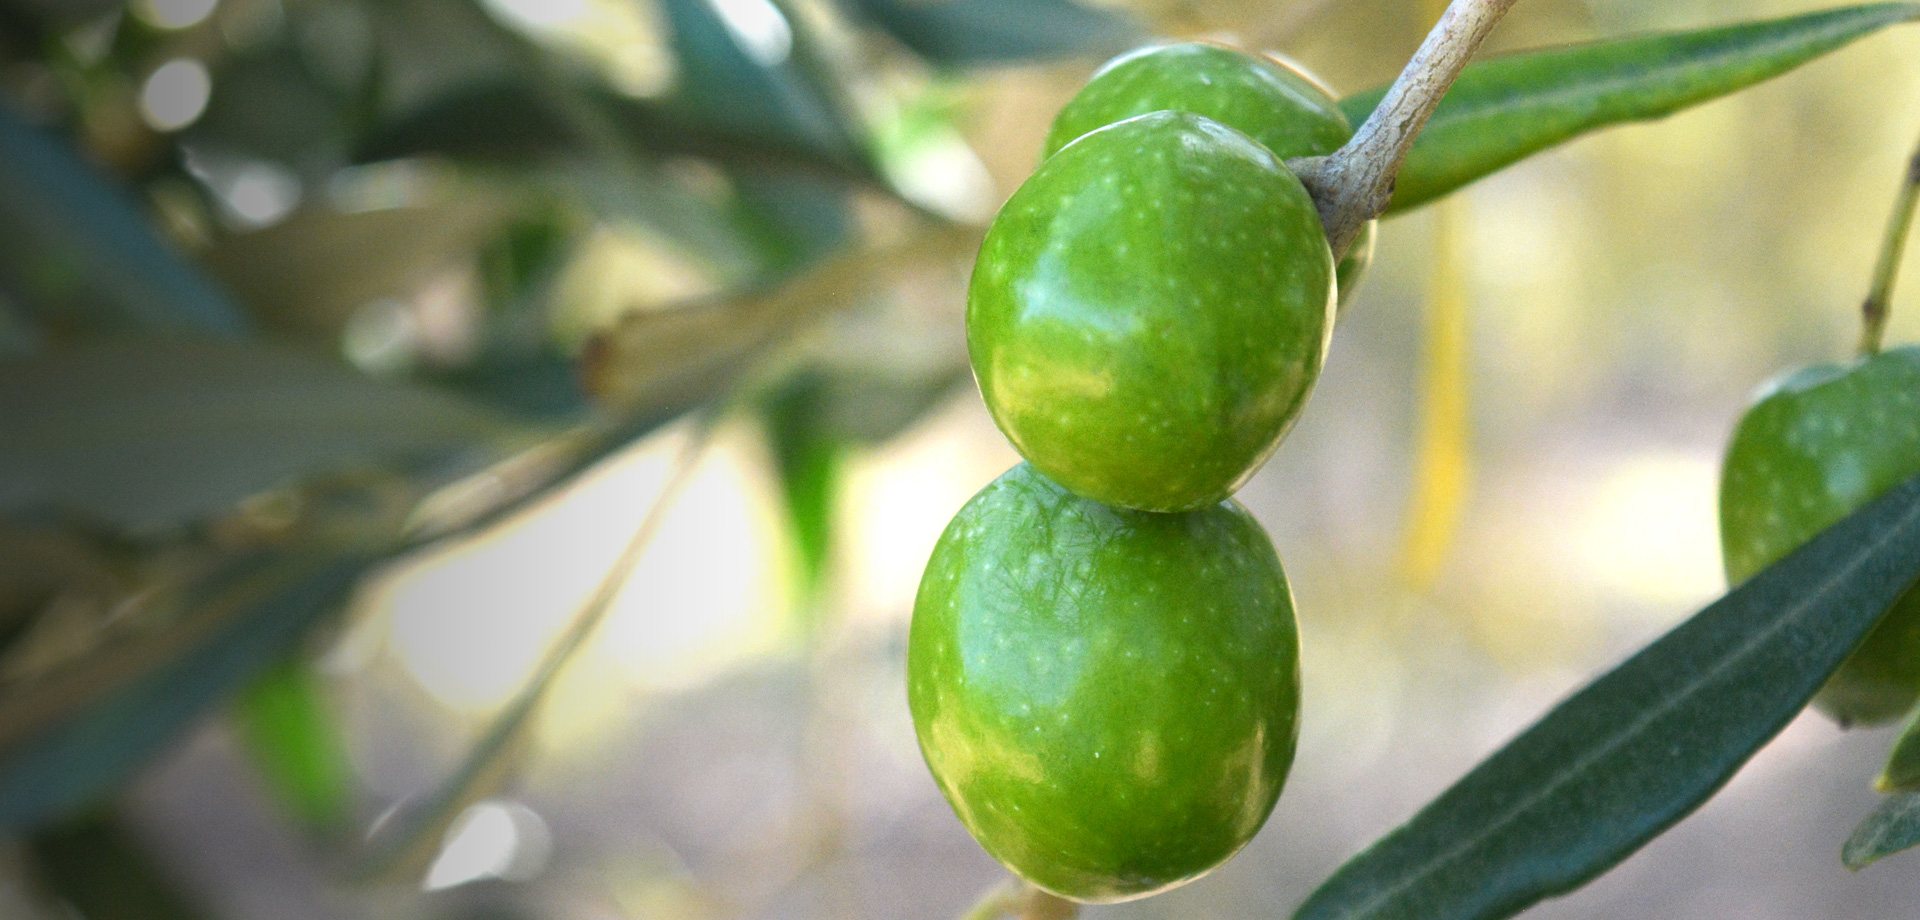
pixel 1902 772
pixel 77 252
pixel 296 746
pixel 1505 109
pixel 807 458
pixel 972 32
pixel 55 760
pixel 1642 746
pixel 1892 827
pixel 150 433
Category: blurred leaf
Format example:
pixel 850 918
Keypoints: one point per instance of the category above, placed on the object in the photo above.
pixel 1443 461
pixel 105 873
pixel 794 220
pixel 1894 826
pixel 807 458
pixel 299 750
pixel 756 73
pixel 69 739
pixel 77 252
pixel 1642 746
pixel 1902 772
pixel 967 32
pixel 266 104
pixel 309 273
pixel 502 121
pixel 1505 109
pixel 147 434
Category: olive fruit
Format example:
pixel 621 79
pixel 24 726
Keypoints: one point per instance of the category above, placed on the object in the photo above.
pixel 1818 444
pixel 1108 698
pixel 1275 103
pixel 1149 311
pixel 1285 110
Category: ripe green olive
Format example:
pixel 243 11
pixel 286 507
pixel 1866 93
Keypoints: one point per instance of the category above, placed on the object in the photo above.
pixel 1285 110
pixel 1149 311
pixel 1818 444
pixel 1277 104
pixel 1108 698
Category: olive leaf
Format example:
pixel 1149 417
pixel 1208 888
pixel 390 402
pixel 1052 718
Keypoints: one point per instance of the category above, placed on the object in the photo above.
pixel 1642 746
pixel 1507 108
pixel 1902 772
pixel 102 870
pixel 75 736
pixel 971 32
pixel 1892 827
pixel 295 744
pixel 150 433
pixel 764 82
pixel 76 252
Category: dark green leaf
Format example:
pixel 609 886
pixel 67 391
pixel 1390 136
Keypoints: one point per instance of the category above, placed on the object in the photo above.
pixel 76 252
pixel 145 434
pixel 59 758
pixel 761 80
pixel 964 32
pixel 106 873
pixel 502 121
pixel 1892 827
pixel 266 104
pixel 1505 109
pixel 1642 746
pixel 1902 772
pixel 299 750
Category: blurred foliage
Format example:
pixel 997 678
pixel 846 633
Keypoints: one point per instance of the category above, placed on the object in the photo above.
pixel 293 288
pixel 93 864
pixel 292 291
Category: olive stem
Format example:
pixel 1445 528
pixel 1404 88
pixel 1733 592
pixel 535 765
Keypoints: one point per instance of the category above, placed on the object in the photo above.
pixel 1873 310
pixel 1020 900
pixel 1353 185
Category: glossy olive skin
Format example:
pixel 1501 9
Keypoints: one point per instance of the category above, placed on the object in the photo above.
pixel 1108 698
pixel 1149 311
pixel 1283 108
pixel 1818 444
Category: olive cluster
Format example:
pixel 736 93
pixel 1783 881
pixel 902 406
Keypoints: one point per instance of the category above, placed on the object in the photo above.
pixel 1103 666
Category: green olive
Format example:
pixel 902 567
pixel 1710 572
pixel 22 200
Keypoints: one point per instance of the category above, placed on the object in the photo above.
pixel 1817 445
pixel 1149 311
pixel 1285 110
pixel 1108 698
pixel 1274 102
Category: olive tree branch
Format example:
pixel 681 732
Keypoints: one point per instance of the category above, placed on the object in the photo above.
pixel 1352 185
pixel 1873 310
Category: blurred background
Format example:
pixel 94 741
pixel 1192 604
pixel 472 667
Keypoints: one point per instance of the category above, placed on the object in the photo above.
pixel 474 458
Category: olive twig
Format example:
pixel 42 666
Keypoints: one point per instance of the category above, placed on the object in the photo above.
pixel 1352 185
pixel 402 848
pixel 1873 310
